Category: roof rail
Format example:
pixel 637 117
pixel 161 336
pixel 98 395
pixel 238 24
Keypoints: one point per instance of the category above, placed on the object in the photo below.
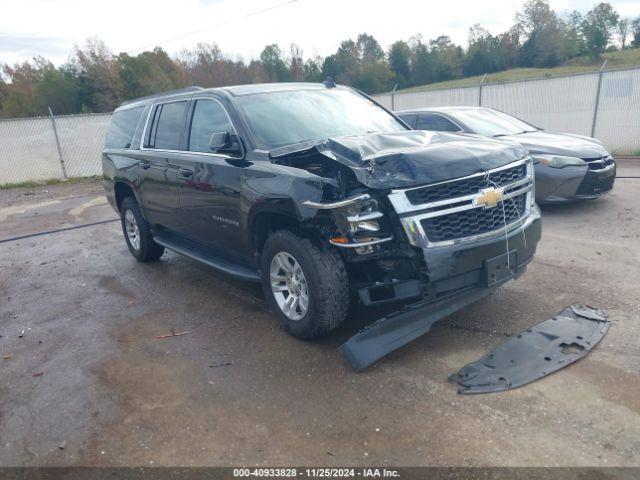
pixel 164 94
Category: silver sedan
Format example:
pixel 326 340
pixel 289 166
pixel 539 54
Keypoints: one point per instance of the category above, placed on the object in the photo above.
pixel 568 167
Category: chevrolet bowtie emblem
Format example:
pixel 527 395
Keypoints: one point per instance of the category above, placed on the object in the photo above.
pixel 488 198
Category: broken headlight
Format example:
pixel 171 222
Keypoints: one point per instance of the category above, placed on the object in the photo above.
pixel 357 219
pixel 363 219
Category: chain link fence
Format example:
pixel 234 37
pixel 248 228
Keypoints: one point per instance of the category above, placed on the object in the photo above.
pixel 55 147
pixel 604 105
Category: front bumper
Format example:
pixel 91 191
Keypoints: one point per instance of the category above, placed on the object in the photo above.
pixel 562 185
pixel 451 268
pixel 597 182
pixel 454 267
pixel 459 275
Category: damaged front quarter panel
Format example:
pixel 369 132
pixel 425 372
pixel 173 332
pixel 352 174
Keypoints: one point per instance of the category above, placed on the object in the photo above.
pixel 347 213
pixel 535 353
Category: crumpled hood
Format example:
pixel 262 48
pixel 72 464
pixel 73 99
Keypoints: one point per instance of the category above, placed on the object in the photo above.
pixel 566 144
pixel 411 157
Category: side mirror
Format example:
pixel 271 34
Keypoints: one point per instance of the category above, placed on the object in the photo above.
pixel 225 142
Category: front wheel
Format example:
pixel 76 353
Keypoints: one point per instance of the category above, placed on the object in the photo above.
pixel 137 233
pixel 306 286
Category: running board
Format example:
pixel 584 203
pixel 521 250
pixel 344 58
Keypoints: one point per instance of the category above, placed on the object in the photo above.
pixel 202 255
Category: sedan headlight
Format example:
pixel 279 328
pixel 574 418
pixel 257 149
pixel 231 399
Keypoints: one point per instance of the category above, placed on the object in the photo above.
pixel 559 161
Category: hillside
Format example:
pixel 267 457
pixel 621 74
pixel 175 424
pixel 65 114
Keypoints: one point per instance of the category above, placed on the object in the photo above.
pixel 615 60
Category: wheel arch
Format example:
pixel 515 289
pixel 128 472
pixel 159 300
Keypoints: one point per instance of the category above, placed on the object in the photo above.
pixel 122 190
pixel 265 218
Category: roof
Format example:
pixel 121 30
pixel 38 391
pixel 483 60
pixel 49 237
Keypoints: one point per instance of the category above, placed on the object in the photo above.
pixel 234 90
pixel 249 89
pixel 163 94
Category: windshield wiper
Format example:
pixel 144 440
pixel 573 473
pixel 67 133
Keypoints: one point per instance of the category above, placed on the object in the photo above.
pixel 509 134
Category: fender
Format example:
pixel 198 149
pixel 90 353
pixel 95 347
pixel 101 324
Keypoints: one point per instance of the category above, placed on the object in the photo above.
pixel 284 207
pixel 118 168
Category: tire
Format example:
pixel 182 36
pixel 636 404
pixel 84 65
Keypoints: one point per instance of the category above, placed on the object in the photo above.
pixel 140 242
pixel 323 274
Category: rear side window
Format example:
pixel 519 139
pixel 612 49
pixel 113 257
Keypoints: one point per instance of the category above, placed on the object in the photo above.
pixel 409 119
pixel 208 117
pixel 168 126
pixel 122 126
pixel 437 123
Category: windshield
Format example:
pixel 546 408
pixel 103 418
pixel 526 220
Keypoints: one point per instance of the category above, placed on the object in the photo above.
pixel 285 118
pixel 492 123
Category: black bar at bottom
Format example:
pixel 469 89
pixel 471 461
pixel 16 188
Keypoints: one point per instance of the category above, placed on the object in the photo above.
pixel 313 472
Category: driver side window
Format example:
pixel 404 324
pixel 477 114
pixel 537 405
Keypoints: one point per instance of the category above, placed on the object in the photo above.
pixel 208 117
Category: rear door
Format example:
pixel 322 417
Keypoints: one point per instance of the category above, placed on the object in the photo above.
pixel 210 186
pixel 158 171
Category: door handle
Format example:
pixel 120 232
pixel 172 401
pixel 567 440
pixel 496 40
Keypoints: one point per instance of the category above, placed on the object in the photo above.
pixel 145 165
pixel 185 172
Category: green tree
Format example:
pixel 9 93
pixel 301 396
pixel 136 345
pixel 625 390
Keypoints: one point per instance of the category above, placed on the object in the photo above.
pixel 149 73
pixel 271 58
pixel 313 70
pixel 207 66
pixel 400 62
pixel 368 49
pixel 57 89
pixel 98 72
pixel 485 53
pixel 20 95
pixel 35 86
pixel 422 63
pixel 3 89
pixel 574 44
pixel 447 58
pixel 635 31
pixel 597 27
pixel 331 67
pixel 359 63
pixel 623 29
pixel 296 63
pixel 510 46
pixel 545 44
pixel 344 65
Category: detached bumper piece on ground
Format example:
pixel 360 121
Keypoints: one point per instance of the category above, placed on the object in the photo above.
pixel 399 328
pixel 537 352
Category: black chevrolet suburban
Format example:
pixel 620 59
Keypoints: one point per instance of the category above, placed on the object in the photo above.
pixel 324 197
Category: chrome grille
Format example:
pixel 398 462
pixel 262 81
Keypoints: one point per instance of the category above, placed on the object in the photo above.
pixel 476 221
pixel 449 212
pixel 442 191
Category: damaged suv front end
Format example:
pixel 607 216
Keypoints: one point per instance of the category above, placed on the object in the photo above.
pixel 434 221
pixel 418 224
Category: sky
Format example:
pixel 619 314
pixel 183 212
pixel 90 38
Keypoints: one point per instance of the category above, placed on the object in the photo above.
pixel 51 28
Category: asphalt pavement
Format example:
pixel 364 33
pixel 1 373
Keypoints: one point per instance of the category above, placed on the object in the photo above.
pixel 84 380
